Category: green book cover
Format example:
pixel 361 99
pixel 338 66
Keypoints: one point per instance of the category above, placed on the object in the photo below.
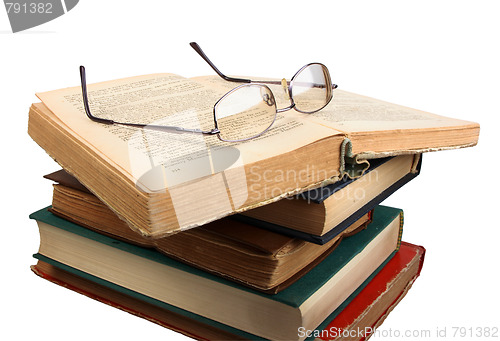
pixel 293 296
pixel 197 317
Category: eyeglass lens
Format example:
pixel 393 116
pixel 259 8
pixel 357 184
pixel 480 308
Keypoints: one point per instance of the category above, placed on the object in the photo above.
pixel 245 112
pixel 311 88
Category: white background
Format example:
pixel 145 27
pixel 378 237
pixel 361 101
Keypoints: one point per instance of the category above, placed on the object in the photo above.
pixel 438 56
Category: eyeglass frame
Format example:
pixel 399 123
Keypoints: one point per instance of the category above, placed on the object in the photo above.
pixel 215 130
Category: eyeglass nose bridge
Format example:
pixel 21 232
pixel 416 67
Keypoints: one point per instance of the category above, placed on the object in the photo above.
pixel 285 86
pixel 286 89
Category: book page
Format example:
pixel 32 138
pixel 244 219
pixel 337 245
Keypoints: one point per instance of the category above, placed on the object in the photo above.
pixel 355 113
pixel 349 112
pixel 376 128
pixel 162 159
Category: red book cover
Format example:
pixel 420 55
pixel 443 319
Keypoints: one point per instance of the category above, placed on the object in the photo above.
pixel 372 305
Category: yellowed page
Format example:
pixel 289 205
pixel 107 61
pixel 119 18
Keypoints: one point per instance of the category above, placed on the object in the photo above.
pixel 158 159
pixel 351 113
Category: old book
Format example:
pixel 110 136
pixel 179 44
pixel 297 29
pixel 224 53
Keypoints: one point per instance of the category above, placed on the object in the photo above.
pixel 356 319
pixel 161 182
pixel 360 316
pixel 306 303
pixel 244 253
pixel 321 214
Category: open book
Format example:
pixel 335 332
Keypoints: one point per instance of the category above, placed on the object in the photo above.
pixel 161 182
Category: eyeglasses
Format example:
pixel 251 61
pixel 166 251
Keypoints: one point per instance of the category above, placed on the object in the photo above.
pixel 249 110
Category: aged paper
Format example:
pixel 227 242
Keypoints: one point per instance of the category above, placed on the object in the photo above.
pixel 171 100
pixel 161 159
pixel 352 113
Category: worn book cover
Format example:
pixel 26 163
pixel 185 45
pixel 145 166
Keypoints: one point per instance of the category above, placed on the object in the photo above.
pixel 306 302
pixel 320 215
pixel 273 261
pixel 358 317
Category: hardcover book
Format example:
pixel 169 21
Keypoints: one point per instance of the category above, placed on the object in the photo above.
pixel 321 214
pixel 160 182
pixel 271 261
pixel 306 303
pixel 356 319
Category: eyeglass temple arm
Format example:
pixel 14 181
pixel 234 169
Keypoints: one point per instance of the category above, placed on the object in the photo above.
pixel 172 129
pixel 334 86
pixel 198 49
pixel 83 80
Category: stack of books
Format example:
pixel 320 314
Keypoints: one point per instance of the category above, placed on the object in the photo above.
pixel 279 238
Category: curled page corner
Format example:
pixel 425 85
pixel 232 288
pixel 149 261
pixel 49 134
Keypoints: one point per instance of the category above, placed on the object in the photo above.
pixel 351 165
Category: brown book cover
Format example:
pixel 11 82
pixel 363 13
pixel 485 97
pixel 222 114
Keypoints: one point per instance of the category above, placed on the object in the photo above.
pixel 272 261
